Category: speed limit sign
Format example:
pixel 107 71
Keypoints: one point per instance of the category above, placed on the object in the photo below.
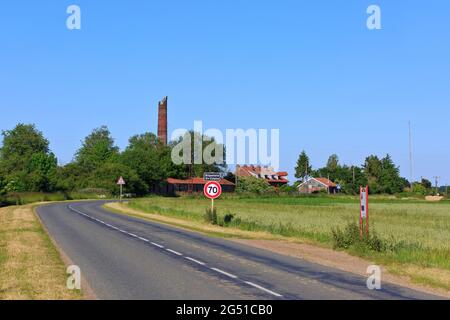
pixel 212 190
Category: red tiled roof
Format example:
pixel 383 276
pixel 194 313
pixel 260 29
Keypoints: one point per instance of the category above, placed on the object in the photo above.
pixel 197 181
pixel 326 182
pixel 278 181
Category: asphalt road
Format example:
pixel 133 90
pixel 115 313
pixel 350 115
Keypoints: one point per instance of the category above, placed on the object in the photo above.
pixel 123 257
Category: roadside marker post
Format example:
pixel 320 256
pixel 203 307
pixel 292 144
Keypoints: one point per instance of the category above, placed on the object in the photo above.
pixel 364 212
pixel 121 183
pixel 212 190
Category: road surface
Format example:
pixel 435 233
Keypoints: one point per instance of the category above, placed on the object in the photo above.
pixel 123 257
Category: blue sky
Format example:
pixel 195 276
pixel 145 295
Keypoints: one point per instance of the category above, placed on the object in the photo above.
pixel 310 68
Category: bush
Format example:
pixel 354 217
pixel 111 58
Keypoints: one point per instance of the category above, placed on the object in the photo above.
pixel 211 216
pixel 254 185
pixel 419 189
pixel 351 237
pixel 228 218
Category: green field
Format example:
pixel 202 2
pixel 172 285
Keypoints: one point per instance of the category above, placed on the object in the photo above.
pixel 415 231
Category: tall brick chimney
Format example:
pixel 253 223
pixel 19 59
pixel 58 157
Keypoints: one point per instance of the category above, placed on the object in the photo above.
pixel 162 121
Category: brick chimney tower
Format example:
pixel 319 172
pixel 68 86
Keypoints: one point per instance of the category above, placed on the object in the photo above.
pixel 162 121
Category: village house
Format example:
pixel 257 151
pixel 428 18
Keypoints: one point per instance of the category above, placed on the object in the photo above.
pixel 315 185
pixel 275 179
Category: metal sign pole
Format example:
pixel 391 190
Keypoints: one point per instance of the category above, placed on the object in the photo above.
pixel 367 211
pixel 360 214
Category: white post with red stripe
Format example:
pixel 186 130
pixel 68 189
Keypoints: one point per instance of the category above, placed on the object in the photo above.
pixel 364 212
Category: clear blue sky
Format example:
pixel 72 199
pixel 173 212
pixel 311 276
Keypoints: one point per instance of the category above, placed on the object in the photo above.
pixel 310 68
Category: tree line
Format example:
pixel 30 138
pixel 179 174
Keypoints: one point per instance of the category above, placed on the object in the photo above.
pixel 380 174
pixel 28 165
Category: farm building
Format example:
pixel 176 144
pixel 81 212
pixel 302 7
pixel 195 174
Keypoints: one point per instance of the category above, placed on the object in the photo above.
pixel 314 185
pixel 275 179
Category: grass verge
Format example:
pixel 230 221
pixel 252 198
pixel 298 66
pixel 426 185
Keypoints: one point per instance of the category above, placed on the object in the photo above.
pixel 31 267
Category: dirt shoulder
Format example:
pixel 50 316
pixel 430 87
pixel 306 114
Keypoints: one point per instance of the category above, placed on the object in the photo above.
pixel 31 267
pixel 400 275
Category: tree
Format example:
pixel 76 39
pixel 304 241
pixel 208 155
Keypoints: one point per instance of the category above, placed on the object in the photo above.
pixel 333 163
pixel 426 183
pixel 199 146
pixel 419 189
pixel 42 172
pixel 372 170
pixel 303 167
pixel 19 145
pixel 390 180
pixel 105 177
pixel 26 162
pixel 372 167
pixel 2 184
pixel 97 149
pixel 150 159
pixel 70 177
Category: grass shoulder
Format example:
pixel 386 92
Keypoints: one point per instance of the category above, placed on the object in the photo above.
pixel 31 268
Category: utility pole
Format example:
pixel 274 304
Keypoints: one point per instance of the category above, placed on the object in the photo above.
pixel 328 186
pixel 354 178
pixel 307 164
pixel 436 179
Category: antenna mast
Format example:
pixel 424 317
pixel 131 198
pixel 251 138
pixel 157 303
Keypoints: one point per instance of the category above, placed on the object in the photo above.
pixel 411 173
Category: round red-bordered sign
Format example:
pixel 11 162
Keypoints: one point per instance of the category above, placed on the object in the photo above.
pixel 212 190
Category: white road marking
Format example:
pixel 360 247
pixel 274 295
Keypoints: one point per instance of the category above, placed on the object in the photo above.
pixel 263 289
pixel 196 261
pixel 232 276
pixel 178 253
pixel 157 245
pixel 174 252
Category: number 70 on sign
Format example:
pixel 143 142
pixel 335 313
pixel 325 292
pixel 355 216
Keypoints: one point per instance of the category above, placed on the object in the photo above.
pixel 212 190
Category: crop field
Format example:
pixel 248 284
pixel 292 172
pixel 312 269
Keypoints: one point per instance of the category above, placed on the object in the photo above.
pixel 413 231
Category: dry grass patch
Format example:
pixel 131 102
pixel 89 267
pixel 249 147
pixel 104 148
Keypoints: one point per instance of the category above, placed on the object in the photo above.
pixel 30 266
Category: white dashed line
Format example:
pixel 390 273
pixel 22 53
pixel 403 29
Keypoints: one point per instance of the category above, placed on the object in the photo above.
pixel 196 261
pixel 263 289
pixel 174 252
pixel 232 276
pixel 157 245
